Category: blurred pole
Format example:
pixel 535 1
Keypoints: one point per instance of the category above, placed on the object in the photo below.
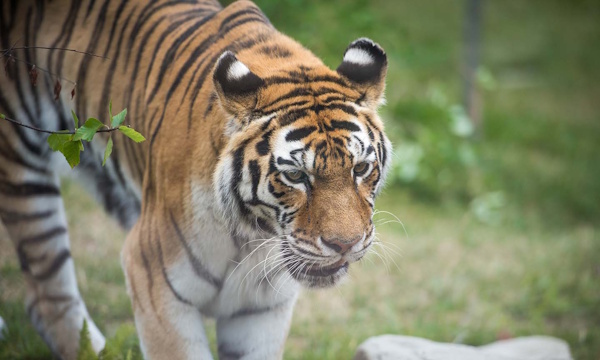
pixel 472 41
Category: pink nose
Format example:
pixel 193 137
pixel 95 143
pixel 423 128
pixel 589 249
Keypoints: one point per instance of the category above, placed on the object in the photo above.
pixel 339 245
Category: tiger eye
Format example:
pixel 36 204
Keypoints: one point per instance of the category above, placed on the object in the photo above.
pixel 295 176
pixel 361 168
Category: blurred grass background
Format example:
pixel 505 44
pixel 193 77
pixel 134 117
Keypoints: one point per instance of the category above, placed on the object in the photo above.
pixel 501 225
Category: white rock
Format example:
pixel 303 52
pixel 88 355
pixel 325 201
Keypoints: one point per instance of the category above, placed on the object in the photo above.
pixel 396 347
pixel 530 348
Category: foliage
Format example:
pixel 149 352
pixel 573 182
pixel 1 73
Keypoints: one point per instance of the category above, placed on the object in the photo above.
pixel 436 156
pixel 122 346
pixel 70 144
pixel 86 351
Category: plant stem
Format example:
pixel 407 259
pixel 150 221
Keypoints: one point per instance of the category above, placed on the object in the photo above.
pixel 16 122
pixel 52 48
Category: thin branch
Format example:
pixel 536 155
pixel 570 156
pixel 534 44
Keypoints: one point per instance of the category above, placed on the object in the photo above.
pixel 4 52
pixel 16 122
pixel 43 70
pixel 8 53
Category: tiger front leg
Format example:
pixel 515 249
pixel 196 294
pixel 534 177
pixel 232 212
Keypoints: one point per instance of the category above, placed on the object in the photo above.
pixel 255 334
pixel 169 326
pixel 33 213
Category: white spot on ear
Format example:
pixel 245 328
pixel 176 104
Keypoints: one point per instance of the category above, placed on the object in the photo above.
pixel 237 70
pixel 358 56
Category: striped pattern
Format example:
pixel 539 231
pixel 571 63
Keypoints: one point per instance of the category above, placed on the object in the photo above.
pixel 250 137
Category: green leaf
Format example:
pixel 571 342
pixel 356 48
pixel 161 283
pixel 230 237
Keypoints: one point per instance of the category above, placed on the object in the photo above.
pixel 2 116
pixel 56 141
pixel 118 119
pixel 132 134
pixel 75 119
pixel 110 108
pixel 108 150
pixel 86 351
pixel 71 150
pixel 88 130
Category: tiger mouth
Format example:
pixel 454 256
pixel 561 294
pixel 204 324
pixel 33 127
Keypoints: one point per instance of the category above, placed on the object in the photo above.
pixel 326 271
pixel 313 275
pixel 319 276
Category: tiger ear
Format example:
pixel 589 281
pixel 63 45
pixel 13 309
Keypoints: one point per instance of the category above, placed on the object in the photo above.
pixel 237 86
pixel 365 65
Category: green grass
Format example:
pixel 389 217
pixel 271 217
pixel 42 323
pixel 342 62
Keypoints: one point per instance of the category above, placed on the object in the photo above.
pixel 447 278
pixel 534 269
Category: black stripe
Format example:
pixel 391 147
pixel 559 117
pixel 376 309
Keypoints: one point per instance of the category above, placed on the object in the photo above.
pixel 149 278
pixel 45 236
pixel 263 147
pixel 11 217
pixel 144 16
pixel 238 168
pixel 294 93
pixel 113 28
pixel 166 277
pixel 111 70
pixel 282 161
pixel 274 192
pixel 346 108
pixel 333 97
pixel 339 142
pixel 255 176
pixel 273 80
pixel 360 142
pixel 261 19
pixel 296 105
pixel 275 51
pixel 81 101
pixel 10 154
pixel 138 58
pixel 173 47
pixel 26 189
pixel 301 133
pixel 211 103
pixel 65 35
pixel 197 265
pixel 345 125
pixel 30 58
pixel 238 14
pixel 89 9
pixel 292 116
pixel 56 265
pixel 256 311
pixel 383 150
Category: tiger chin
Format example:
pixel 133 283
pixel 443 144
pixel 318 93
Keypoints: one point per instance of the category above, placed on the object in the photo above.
pixel 258 178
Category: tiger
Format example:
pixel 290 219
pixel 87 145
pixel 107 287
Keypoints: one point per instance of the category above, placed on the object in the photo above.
pixel 258 178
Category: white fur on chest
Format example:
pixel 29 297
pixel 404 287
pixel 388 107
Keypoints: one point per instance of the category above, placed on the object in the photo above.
pixel 251 277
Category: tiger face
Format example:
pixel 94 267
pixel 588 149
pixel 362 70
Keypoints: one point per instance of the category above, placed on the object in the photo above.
pixel 305 159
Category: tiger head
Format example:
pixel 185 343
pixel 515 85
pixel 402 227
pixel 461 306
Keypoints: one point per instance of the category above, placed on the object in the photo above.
pixel 305 158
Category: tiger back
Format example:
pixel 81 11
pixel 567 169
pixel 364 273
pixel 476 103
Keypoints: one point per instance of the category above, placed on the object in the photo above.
pixel 258 177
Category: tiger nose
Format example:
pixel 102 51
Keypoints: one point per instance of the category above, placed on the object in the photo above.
pixel 339 245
